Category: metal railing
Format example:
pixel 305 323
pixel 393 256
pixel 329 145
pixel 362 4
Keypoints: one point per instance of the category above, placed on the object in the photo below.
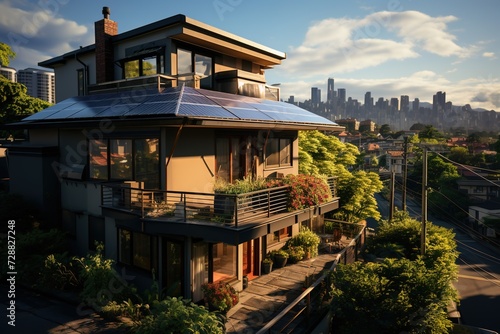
pixel 312 305
pixel 228 209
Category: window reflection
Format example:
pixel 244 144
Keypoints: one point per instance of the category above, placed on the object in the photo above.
pixel 224 261
pixel 121 159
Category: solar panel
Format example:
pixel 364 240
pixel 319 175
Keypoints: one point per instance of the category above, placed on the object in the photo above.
pixel 197 103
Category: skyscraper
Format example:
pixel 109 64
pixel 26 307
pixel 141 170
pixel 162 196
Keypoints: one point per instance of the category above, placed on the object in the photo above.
pixel 342 94
pixel 368 101
pixel 439 101
pixel 405 103
pixel 330 91
pixel 40 83
pixel 315 97
pixel 416 104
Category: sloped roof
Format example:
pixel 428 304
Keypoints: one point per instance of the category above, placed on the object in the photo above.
pixel 178 103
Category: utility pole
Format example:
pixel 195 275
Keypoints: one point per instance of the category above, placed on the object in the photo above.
pixel 423 233
pixel 405 171
pixel 393 183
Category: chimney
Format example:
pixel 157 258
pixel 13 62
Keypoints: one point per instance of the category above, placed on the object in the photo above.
pixel 104 58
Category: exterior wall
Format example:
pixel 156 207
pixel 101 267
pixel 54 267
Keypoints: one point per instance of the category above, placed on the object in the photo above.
pixel 44 137
pixel 192 166
pixel 66 76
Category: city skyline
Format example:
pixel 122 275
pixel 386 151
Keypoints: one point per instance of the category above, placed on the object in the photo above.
pixel 389 47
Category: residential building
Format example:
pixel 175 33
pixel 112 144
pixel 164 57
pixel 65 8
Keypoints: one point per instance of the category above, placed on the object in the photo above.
pixel 40 83
pixel 147 123
pixel 9 73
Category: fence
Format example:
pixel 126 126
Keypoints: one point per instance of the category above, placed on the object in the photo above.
pixel 310 307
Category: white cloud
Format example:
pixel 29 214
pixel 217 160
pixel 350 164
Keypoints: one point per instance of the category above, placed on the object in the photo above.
pixel 334 46
pixel 489 54
pixel 37 33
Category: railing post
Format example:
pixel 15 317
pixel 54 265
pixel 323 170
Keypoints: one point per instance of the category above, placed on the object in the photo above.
pixel 269 203
pixel 235 199
pixel 142 202
pixel 308 307
pixel 183 196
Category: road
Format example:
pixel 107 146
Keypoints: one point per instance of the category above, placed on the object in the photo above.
pixel 479 271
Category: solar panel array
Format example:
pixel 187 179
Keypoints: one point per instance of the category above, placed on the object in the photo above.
pixel 176 102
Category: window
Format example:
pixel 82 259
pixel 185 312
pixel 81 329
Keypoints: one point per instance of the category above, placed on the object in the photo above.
pixel 96 231
pixel 189 62
pixel 138 249
pixel 145 65
pixel 278 152
pixel 125 159
pixel 280 235
pixel 224 261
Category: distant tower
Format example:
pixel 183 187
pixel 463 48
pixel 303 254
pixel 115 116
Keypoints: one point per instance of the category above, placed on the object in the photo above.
pixel 342 94
pixel 394 104
pixel 315 97
pixel 368 101
pixel 9 73
pixel 439 101
pixel 405 103
pixel 416 104
pixel 40 83
pixel 330 91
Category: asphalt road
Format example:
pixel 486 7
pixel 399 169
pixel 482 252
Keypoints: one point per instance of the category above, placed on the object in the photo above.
pixel 479 271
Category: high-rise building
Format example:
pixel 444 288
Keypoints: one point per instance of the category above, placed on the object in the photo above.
pixel 315 97
pixel 8 72
pixel 341 94
pixel 394 104
pixel 40 83
pixel 368 101
pixel 330 91
pixel 416 104
pixel 405 103
pixel 439 101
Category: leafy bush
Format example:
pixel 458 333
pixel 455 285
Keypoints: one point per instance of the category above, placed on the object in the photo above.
pixel 295 253
pixel 58 273
pixel 101 282
pixel 32 248
pixel 307 239
pixel 246 185
pixel 220 296
pixel 174 315
pixel 305 190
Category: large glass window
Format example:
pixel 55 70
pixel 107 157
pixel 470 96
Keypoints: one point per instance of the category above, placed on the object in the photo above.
pixel 189 62
pixel 224 261
pixel 98 154
pixel 138 249
pixel 125 159
pixel 121 159
pixel 146 65
pixel 278 152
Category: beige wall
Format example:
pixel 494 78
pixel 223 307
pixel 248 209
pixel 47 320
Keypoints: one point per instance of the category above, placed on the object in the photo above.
pixel 67 79
pixel 191 167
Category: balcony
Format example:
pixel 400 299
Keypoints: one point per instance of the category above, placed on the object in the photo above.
pixel 227 210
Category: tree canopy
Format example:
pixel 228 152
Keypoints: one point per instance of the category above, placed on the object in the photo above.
pixel 321 154
pixel 6 54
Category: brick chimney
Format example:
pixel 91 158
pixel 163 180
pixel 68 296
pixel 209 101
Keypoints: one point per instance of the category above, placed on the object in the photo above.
pixel 104 30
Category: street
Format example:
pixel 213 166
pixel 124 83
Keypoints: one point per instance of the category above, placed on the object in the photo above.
pixel 479 271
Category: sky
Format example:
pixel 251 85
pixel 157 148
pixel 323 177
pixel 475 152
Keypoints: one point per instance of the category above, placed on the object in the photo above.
pixel 389 47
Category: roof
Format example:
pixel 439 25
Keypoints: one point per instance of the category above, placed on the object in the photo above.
pixel 190 31
pixel 207 107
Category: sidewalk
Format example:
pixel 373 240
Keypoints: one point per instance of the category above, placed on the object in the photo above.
pixel 268 294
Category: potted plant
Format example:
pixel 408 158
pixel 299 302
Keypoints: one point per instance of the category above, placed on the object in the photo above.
pixel 267 265
pixel 308 240
pixel 220 296
pixel 280 257
pixel 295 253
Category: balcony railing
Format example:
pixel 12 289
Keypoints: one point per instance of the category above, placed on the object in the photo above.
pixel 226 209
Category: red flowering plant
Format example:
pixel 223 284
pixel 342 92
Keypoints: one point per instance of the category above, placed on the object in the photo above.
pixel 220 296
pixel 305 190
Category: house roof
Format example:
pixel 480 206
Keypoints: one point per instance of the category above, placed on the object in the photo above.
pixel 204 107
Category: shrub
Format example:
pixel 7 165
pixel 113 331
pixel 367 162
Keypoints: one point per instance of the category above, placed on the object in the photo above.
pixel 307 239
pixel 58 273
pixel 295 253
pixel 174 315
pixel 220 296
pixel 305 190
pixel 101 282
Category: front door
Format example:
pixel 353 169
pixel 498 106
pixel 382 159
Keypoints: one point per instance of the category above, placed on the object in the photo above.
pixel 251 258
pixel 172 267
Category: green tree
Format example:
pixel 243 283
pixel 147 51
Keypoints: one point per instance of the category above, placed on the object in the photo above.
pixel 430 132
pixel 6 54
pixel 320 154
pixel 385 130
pixel 405 292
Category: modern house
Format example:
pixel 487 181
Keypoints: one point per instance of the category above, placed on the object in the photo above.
pixel 147 121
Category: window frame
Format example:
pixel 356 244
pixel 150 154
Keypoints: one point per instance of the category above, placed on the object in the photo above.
pixel 153 251
pixel 280 147
pixel 206 81
pixel 160 63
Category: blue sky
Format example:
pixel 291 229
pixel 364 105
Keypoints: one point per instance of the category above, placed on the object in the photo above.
pixel 390 47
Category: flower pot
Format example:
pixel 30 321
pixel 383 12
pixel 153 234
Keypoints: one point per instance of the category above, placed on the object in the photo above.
pixel 280 261
pixel 267 267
